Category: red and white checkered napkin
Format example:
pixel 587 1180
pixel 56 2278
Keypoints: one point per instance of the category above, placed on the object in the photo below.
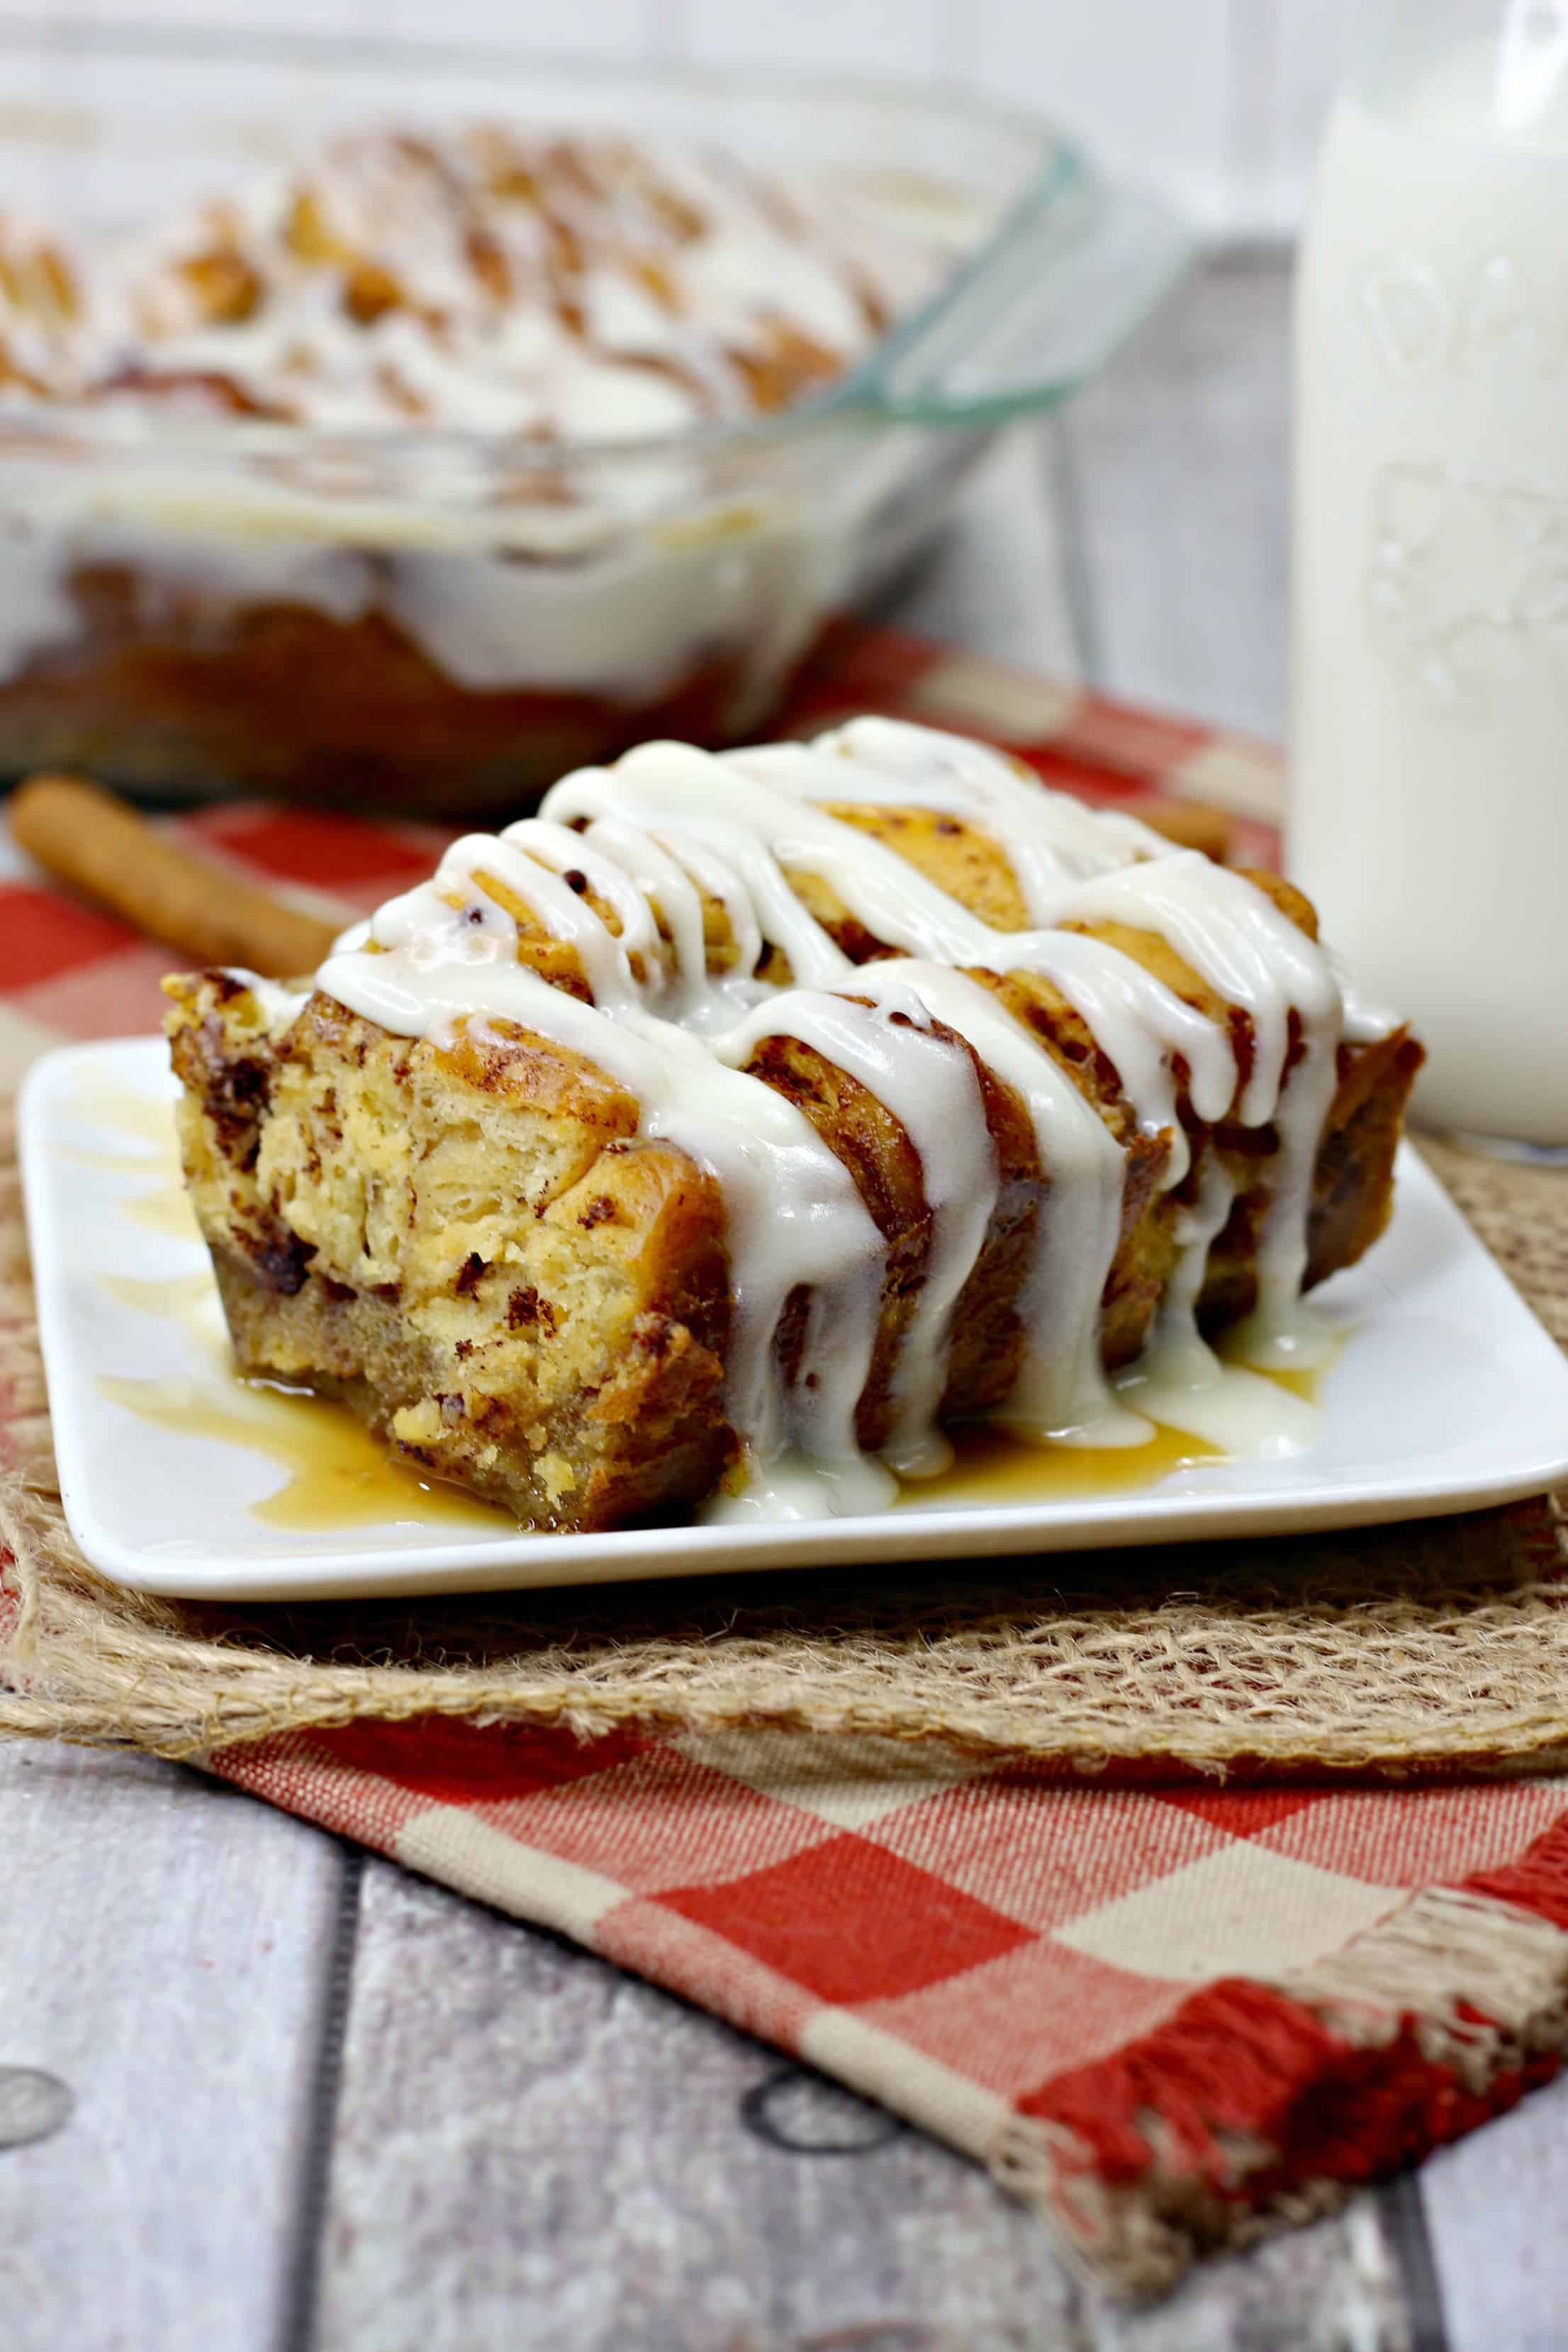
pixel 1162 2013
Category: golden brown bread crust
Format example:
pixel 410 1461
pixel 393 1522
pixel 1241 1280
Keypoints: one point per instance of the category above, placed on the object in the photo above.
pixel 472 1246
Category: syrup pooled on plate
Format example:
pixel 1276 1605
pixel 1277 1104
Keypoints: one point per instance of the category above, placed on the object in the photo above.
pixel 340 1476
pixel 992 1467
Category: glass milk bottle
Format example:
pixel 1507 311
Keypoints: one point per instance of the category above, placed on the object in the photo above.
pixel 1430 796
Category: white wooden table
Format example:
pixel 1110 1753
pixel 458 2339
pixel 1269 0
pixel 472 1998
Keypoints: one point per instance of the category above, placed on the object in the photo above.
pixel 319 2104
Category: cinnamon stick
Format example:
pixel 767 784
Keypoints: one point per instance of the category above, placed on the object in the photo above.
pixel 104 849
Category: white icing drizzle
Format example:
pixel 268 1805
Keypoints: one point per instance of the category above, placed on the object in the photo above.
pixel 1239 940
pixel 658 875
pixel 1231 933
pixel 1062 1391
pixel 895 764
pixel 793 1213
pixel 1178 1352
pixel 760 831
pixel 929 1085
pixel 1141 1027
pixel 668 827
pixel 558 847
pixel 1365 1022
pixel 571 285
pixel 1180 1381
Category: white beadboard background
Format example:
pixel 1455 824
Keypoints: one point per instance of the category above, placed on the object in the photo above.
pixel 1219 102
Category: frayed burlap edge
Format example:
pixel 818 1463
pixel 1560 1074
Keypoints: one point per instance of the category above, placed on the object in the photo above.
pixel 1436 1646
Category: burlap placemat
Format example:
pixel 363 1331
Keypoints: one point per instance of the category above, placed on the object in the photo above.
pixel 1434 1647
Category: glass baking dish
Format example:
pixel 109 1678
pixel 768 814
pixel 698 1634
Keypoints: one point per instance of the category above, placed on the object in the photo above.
pixel 383 618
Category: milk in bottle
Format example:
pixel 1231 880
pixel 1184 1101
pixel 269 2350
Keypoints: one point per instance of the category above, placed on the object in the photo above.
pixel 1430 795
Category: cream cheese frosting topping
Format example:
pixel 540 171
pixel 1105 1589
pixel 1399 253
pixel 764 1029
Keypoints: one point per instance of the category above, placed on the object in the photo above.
pixel 482 278
pixel 668 826
pixel 465 380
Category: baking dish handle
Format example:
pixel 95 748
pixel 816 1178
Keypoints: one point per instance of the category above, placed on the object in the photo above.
pixel 1068 282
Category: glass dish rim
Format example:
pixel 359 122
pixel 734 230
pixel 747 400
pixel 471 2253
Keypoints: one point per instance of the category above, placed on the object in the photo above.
pixel 859 399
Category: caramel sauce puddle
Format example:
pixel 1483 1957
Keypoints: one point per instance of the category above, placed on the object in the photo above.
pixel 340 1476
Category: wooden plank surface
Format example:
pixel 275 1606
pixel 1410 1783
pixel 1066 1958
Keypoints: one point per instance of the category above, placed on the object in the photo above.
pixel 162 1946
pixel 1494 2206
pixel 535 2149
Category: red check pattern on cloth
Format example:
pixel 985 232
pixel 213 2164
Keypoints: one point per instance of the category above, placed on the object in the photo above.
pixel 1164 2014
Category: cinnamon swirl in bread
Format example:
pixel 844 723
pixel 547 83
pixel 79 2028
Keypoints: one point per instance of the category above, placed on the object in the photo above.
pixel 728 1132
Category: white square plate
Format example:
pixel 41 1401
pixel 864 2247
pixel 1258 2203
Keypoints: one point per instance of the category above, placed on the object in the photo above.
pixel 1446 1394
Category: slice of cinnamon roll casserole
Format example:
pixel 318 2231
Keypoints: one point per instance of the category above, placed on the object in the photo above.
pixel 723 1134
